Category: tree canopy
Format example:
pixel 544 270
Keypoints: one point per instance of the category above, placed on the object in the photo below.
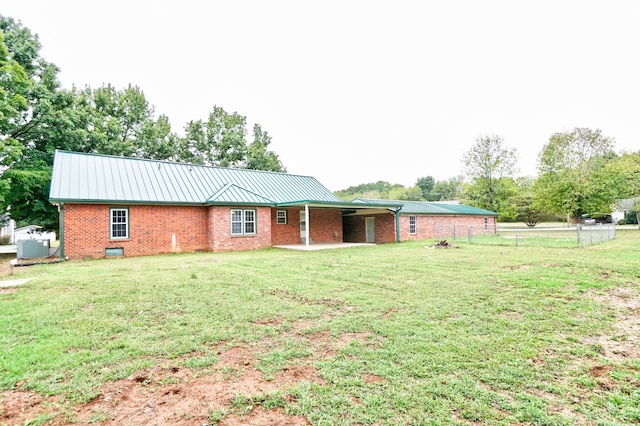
pixel 573 175
pixel 490 166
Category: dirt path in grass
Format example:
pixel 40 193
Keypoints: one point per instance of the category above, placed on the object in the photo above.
pixel 230 392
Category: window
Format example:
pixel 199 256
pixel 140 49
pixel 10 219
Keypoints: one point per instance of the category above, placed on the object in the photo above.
pixel 412 225
pixel 243 222
pixel 486 223
pixel 281 217
pixel 119 224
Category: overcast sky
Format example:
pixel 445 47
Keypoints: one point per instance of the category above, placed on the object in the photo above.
pixel 359 91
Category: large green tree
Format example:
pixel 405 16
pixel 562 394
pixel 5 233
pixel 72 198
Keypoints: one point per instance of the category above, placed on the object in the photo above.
pixel 490 167
pixel 219 141
pixel 259 157
pixel 28 99
pixel 447 190
pixel 426 185
pixel 626 171
pixel 573 175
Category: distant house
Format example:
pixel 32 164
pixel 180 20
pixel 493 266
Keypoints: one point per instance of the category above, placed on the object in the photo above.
pixel 419 220
pixel 31 232
pixel 119 206
pixel 621 208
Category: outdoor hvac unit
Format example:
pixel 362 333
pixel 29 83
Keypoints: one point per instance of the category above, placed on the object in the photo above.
pixel 30 249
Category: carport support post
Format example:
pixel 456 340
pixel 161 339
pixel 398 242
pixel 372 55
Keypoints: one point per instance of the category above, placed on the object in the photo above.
pixel 306 228
pixel 61 230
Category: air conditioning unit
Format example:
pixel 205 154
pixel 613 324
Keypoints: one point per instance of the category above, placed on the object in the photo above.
pixel 31 249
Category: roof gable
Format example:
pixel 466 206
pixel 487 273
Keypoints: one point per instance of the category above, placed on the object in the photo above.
pixel 81 177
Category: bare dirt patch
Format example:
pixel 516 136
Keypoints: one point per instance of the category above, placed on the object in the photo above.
pixel 173 395
pixel 624 342
pixel 170 393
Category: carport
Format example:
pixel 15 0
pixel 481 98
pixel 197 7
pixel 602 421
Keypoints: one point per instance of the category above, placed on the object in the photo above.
pixel 357 210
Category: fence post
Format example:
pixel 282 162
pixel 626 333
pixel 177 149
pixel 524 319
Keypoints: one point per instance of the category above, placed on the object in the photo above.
pixel 454 232
pixel 470 233
pixel 578 234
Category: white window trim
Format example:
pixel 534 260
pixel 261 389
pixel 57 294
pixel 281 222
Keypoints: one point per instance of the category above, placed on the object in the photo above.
pixel 244 222
pixel 279 217
pixel 111 223
pixel 413 227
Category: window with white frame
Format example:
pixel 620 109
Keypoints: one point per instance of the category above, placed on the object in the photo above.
pixel 119 223
pixel 243 222
pixel 281 217
pixel 412 225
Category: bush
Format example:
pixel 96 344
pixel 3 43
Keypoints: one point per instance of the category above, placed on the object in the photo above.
pixel 5 240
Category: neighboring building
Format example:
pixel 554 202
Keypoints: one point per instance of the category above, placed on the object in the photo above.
pixel 119 206
pixel 7 229
pixel 621 208
pixel 419 220
pixel 32 232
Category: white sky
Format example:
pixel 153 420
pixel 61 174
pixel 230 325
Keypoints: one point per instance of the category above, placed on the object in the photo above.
pixel 359 91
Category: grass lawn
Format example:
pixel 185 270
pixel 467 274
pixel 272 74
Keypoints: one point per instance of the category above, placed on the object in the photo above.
pixel 392 334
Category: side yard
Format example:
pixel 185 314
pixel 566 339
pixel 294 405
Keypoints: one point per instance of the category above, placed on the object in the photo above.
pixel 389 334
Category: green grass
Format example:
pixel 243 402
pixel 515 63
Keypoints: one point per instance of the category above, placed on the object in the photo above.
pixel 478 334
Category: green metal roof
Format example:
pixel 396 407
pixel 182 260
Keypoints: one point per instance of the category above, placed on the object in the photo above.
pixel 423 207
pixel 80 177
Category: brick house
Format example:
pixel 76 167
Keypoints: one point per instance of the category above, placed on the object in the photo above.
pixel 119 206
pixel 419 220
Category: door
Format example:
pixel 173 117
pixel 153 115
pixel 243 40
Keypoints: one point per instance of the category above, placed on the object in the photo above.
pixel 303 225
pixel 370 229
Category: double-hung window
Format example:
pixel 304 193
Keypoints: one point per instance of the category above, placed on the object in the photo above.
pixel 118 223
pixel 412 225
pixel 281 217
pixel 243 222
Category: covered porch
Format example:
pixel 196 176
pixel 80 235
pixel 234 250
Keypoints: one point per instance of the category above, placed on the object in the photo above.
pixel 327 225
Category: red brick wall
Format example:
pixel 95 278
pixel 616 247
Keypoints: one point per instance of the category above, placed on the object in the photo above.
pixel 221 238
pixel 151 230
pixel 355 231
pixel 325 226
pixel 288 233
pixel 442 226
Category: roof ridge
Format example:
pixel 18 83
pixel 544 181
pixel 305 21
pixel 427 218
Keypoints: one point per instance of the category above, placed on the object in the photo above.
pixel 179 163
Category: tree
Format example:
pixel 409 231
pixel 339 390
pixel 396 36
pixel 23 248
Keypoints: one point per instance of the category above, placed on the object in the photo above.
pixel 444 190
pixel 258 155
pixel 525 209
pixel 378 190
pixel 413 193
pixel 487 163
pixel 626 169
pixel 220 141
pixel 426 185
pixel 572 177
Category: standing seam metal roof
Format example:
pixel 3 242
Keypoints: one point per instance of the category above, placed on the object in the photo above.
pixel 103 178
pixel 424 207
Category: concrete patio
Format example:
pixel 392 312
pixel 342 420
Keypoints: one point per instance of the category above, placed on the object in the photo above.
pixel 321 246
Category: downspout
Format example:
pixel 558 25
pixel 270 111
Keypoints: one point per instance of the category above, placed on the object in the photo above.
pixel 61 230
pixel 398 225
pixel 308 225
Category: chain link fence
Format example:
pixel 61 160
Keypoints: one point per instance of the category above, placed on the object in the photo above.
pixel 567 236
